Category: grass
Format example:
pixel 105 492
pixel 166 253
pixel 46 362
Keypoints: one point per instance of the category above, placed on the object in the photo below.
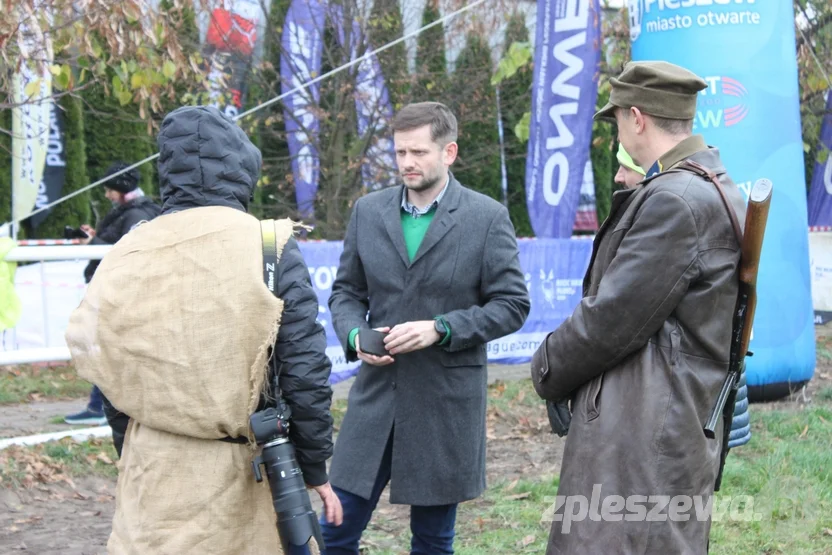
pixel 24 384
pixel 786 468
pixel 57 461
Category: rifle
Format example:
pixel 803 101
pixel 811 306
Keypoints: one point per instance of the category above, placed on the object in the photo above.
pixel 756 217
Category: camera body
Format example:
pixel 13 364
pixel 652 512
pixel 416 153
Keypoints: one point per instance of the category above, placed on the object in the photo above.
pixel 297 522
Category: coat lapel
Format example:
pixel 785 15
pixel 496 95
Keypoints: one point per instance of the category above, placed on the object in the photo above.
pixel 443 220
pixel 619 199
pixel 392 217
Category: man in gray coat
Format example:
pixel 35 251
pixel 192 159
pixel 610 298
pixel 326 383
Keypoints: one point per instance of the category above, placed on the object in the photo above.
pixel 435 267
pixel 644 354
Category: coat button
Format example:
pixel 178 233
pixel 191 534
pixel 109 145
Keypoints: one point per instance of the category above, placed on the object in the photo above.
pixel 393 385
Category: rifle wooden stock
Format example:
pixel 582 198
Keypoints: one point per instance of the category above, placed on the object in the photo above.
pixel 756 217
pixel 751 244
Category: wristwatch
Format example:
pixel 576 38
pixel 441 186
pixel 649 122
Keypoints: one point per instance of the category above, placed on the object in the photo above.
pixel 440 328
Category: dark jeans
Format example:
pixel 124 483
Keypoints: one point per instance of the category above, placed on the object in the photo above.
pixel 432 527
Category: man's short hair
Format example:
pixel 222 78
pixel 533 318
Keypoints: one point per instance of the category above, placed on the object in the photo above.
pixel 669 126
pixel 673 126
pixel 443 127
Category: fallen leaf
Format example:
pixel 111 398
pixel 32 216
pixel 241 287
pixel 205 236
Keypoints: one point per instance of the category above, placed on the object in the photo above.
pixel 13 529
pixel 827 532
pixel 512 485
pixel 104 458
pixel 518 496
pixel 804 432
pixel 520 396
pixel 822 419
pixel 528 540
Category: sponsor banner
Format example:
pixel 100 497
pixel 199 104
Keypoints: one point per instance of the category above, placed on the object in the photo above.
pixel 54 173
pixel 31 94
pixel 553 269
pixel 586 218
pixel 229 45
pixel 750 111
pixel 820 264
pixel 300 62
pixel 565 87
pixel 372 106
pixel 820 194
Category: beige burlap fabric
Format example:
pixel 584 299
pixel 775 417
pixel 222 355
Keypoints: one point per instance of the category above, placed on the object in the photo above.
pixel 175 329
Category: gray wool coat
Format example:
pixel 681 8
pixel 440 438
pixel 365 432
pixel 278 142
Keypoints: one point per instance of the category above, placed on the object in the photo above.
pixel 467 269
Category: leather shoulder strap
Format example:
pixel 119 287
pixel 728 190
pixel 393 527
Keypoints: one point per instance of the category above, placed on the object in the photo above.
pixel 705 173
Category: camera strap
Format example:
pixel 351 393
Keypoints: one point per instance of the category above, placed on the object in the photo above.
pixel 270 256
pixel 271 267
pixel 271 263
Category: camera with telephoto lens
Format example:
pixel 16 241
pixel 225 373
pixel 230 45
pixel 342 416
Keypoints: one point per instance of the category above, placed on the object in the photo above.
pixel 296 520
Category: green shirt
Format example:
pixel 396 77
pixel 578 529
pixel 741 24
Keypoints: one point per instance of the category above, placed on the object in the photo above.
pixel 414 229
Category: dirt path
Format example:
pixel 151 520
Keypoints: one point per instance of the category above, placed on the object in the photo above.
pixel 52 519
pixel 31 418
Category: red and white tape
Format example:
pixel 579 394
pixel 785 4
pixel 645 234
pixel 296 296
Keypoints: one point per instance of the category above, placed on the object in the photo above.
pixel 47 242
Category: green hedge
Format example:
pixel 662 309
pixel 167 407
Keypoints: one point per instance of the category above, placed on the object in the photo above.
pixel 516 100
pixel 475 106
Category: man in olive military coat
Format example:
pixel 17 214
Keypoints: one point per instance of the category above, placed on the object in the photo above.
pixel 644 354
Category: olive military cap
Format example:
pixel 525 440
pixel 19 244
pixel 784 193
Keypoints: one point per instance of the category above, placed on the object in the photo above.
pixel 660 89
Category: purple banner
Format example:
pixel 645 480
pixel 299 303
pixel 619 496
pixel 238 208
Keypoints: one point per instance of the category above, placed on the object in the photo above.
pixel 300 62
pixel 820 194
pixel 565 89
pixel 373 107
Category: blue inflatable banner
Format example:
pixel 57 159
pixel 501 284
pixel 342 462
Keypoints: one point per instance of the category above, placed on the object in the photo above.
pixel 745 51
pixel 564 91
pixel 554 271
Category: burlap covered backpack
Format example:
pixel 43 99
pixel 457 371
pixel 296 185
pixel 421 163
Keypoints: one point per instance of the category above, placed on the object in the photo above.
pixel 175 329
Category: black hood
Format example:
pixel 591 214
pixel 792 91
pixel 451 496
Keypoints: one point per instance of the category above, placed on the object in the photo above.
pixel 205 159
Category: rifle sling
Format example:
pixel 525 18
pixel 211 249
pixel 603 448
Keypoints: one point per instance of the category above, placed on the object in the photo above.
pixel 707 174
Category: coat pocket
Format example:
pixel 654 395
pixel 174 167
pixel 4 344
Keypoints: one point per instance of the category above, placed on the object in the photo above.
pixel 593 397
pixel 473 356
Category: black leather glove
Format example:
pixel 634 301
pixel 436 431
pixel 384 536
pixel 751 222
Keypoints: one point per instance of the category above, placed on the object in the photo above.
pixel 559 416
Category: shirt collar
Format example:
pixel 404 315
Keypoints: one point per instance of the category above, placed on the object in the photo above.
pixel 685 149
pixel 416 212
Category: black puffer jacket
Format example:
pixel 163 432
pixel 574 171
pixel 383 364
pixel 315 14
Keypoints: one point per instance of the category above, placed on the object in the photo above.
pixel 207 160
pixel 118 223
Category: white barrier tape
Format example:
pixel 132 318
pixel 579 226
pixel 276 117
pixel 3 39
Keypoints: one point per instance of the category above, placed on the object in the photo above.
pixel 57 252
pixel 51 284
pixel 78 435
pixel 31 356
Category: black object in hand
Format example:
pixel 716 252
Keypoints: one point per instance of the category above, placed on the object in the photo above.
pixel 72 233
pixel 372 342
pixel 559 416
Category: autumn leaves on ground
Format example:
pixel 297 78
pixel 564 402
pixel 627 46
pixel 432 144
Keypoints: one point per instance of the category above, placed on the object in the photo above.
pixel 58 497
